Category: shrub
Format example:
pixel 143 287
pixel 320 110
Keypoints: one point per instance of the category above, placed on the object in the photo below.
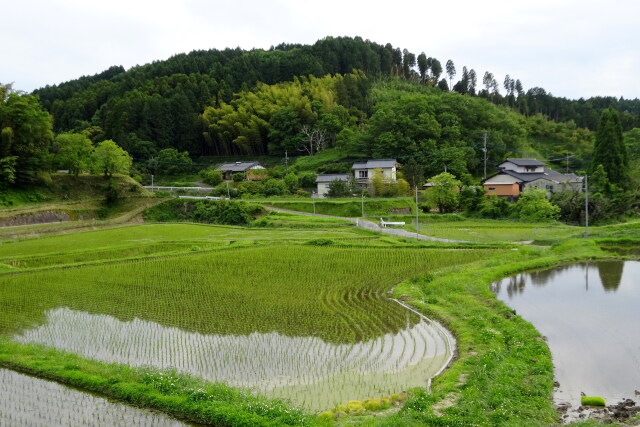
pixel 534 206
pixel 307 180
pixel 273 187
pixel 211 176
pixel 239 177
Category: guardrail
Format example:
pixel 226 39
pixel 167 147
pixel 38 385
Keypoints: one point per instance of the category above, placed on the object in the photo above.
pixel 161 188
pixel 203 197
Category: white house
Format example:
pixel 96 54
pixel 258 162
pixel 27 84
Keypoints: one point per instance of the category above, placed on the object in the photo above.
pixel 364 171
pixel 323 182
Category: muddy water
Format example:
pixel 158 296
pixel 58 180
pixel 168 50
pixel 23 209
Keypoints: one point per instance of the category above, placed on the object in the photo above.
pixel 590 315
pixel 27 401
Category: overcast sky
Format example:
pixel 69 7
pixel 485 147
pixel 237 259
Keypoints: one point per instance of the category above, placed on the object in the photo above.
pixel 571 48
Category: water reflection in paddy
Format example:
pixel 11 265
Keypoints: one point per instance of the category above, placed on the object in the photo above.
pixel 590 315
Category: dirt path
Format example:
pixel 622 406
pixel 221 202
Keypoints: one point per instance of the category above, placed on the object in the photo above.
pixel 370 225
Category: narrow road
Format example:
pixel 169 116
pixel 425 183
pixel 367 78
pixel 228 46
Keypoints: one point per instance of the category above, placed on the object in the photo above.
pixel 369 225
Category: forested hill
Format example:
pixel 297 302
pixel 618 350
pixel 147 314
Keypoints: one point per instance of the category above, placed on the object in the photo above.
pixel 161 105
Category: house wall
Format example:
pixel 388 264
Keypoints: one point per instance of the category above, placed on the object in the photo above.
pixel 502 189
pixel 388 174
pixel 323 189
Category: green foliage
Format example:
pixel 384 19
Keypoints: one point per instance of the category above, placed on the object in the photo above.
pixel 109 158
pixel 445 192
pixel 339 188
pixel 610 151
pixel 533 205
pixel 592 401
pixel 472 198
pixel 239 176
pixel 112 192
pixel 282 117
pixel 211 176
pixel 273 187
pixel 172 162
pixel 307 180
pixel 25 137
pixel 74 152
pixel 291 181
pixel 231 212
pixel 495 207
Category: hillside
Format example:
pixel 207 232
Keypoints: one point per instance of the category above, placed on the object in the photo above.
pixel 160 105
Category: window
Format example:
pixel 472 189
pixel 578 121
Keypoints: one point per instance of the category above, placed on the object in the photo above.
pixel 549 188
pixel 492 188
pixel 363 174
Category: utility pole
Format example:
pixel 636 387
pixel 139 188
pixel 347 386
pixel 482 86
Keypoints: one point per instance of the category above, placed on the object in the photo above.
pixel 362 205
pixel 586 205
pixel 417 223
pixel 286 161
pixel 228 194
pixel 484 149
pixel 151 182
pixel 567 163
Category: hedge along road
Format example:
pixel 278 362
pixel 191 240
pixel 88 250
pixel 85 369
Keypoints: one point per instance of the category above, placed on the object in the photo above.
pixel 369 225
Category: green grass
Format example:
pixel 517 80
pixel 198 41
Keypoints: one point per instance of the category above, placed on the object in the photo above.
pixel 348 207
pixel 179 395
pixel 157 239
pixel 496 231
pixel 503 374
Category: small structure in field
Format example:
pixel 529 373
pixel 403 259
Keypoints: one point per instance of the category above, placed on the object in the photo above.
pixel 253 170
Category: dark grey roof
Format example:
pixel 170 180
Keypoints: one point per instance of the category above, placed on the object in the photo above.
pixel 237 166
pixel 548 174
pixel 332 177
pixel 526 162
pixel 375 163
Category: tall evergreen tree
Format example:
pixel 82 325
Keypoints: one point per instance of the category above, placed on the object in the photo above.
pixel 609 149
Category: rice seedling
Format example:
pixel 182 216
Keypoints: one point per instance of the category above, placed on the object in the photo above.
pixel 308 323
pixel 26 401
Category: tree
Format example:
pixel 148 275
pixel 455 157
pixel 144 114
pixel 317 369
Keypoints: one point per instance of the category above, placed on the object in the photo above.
pixel 173 162
pixel 25 136
pixel 315 140
pixel 473 81
pixel 291 181
pixel 451 72
pixel 74 152
pixel 109 158
pixel 338 188
pixel 413 173
pixel 445 192
pixel 534 206
pixel 408 62
pixel 436 70
pixel 609 149
pixel 423 66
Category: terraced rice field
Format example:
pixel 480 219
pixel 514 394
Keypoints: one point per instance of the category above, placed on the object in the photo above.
pixel 311 324
pixel 26 401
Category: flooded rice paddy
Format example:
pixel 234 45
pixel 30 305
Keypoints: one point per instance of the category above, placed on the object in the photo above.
pixel 27 401
pixel 307 370
pixel 590 316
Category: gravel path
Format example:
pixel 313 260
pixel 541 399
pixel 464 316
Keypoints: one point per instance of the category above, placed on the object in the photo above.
pixel 369 225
